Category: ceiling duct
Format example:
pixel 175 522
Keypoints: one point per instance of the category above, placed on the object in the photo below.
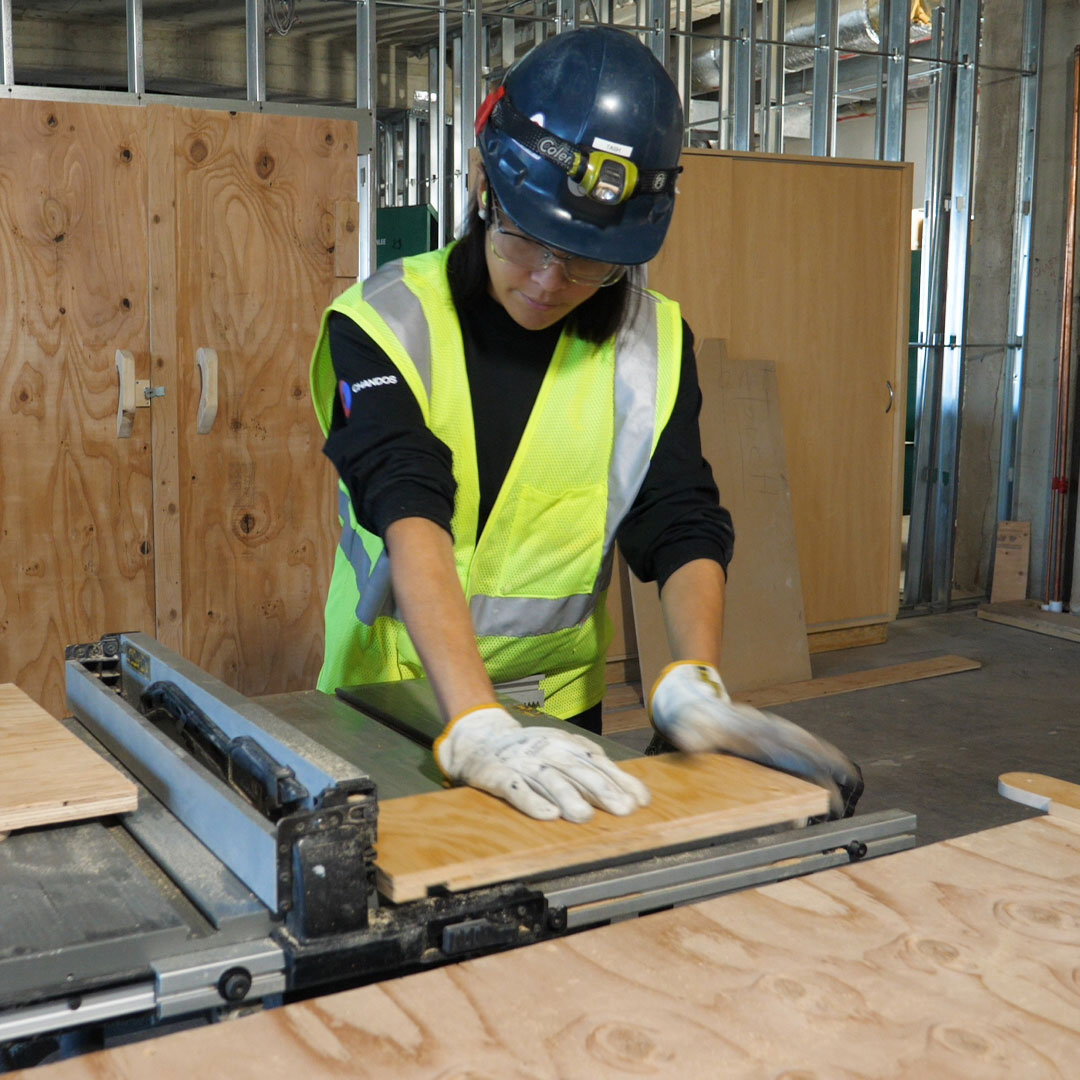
pixel 859 22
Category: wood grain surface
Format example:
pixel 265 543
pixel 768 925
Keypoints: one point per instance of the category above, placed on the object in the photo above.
pixel 461 837
pixel 1012 555
pixel 250 201
pixel 805 263
pixel 49 775
pixel 955 961
pixel 75 517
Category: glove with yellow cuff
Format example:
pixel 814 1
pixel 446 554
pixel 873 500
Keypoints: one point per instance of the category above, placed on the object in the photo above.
pixel 543 772
pixel 691 709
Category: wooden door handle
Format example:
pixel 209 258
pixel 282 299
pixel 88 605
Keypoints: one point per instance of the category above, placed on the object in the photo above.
pixel 125 406
pixel 892 396
pixel 206 360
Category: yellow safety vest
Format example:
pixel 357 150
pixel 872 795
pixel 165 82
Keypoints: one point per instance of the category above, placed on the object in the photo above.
pixel 536 578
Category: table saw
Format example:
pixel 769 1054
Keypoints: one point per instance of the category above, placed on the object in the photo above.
pixel 249 873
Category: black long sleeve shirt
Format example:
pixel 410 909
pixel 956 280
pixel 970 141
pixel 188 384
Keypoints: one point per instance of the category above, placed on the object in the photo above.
pixel 395 467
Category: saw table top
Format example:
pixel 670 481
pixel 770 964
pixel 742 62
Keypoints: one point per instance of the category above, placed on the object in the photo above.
pixel 461 838
pixel 954 960
pixel 50 775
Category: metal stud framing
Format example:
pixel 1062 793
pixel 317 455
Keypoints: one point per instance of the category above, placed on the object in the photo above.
pixel 256 49
pixel 823 115
pixel 892 104
pixel 745 35
pixel 771 124
pixel 1020 283
pixel 135 54
pixel 7 50
pixel 367 174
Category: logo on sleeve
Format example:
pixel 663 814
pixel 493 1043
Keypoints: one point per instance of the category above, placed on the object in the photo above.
pixel 347 389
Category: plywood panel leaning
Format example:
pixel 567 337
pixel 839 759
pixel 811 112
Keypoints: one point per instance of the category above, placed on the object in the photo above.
pixel 741 437
pixel 256 230
pixel 75 517
pixel 463 837
pixel 49 775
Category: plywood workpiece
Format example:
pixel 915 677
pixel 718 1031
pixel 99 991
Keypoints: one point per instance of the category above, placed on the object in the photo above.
pixel 954 961
pixel 741 437
pixel 48 774
pixel 462 838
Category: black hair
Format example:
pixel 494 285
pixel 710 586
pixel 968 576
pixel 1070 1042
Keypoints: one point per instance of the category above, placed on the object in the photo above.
pixel 606 312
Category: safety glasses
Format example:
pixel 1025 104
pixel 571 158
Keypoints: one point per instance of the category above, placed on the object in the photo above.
pixel 529 254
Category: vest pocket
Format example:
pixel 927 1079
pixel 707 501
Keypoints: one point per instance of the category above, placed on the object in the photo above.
pixel 556 542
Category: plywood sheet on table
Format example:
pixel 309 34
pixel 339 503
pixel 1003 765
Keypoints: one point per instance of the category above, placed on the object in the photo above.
pixel 462 838
pixel 48 774
pixel 955 961
pixel 741 437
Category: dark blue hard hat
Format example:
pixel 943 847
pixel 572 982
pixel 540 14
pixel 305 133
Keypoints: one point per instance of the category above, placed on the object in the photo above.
pixel 581 145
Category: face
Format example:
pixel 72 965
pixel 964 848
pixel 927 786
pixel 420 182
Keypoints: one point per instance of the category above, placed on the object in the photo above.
pixel 534 299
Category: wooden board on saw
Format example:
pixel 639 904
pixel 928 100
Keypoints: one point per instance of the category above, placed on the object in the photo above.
pixel 1029 615
pixel 741 437
pixel 49 774
pixel 461 838
pixel 951 960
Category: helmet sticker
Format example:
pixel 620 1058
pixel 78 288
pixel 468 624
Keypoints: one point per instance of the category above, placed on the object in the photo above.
pixel 612 147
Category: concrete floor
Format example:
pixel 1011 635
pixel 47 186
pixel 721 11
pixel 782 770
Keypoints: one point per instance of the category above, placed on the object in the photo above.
pixel 936 747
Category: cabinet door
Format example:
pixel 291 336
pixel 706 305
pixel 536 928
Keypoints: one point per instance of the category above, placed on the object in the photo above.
pixel 242 240
pixel 803 262
pixel 75 501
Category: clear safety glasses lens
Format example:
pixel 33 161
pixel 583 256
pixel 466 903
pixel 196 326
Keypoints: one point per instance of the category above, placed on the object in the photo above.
pixel 530 254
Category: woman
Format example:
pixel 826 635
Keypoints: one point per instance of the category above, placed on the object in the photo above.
pixel 501 412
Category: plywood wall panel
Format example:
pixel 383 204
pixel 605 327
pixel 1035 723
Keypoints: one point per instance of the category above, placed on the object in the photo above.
pixel 255 231
pixel 75 501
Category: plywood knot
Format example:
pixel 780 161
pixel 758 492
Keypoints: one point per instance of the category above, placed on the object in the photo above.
pixel 197 150
pixel 264 165
pixel 1045 919
pixel 627 1046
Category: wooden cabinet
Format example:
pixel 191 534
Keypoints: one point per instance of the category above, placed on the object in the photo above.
pixel 804 262
pixel 161 231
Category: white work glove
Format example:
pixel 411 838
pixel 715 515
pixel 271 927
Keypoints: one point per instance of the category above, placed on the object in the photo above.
pixel 691 709
pixel 542 771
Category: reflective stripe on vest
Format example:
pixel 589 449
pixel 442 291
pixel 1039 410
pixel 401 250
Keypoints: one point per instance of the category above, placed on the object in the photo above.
pixel 403 313
pixel 375 580
pixel 635 438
